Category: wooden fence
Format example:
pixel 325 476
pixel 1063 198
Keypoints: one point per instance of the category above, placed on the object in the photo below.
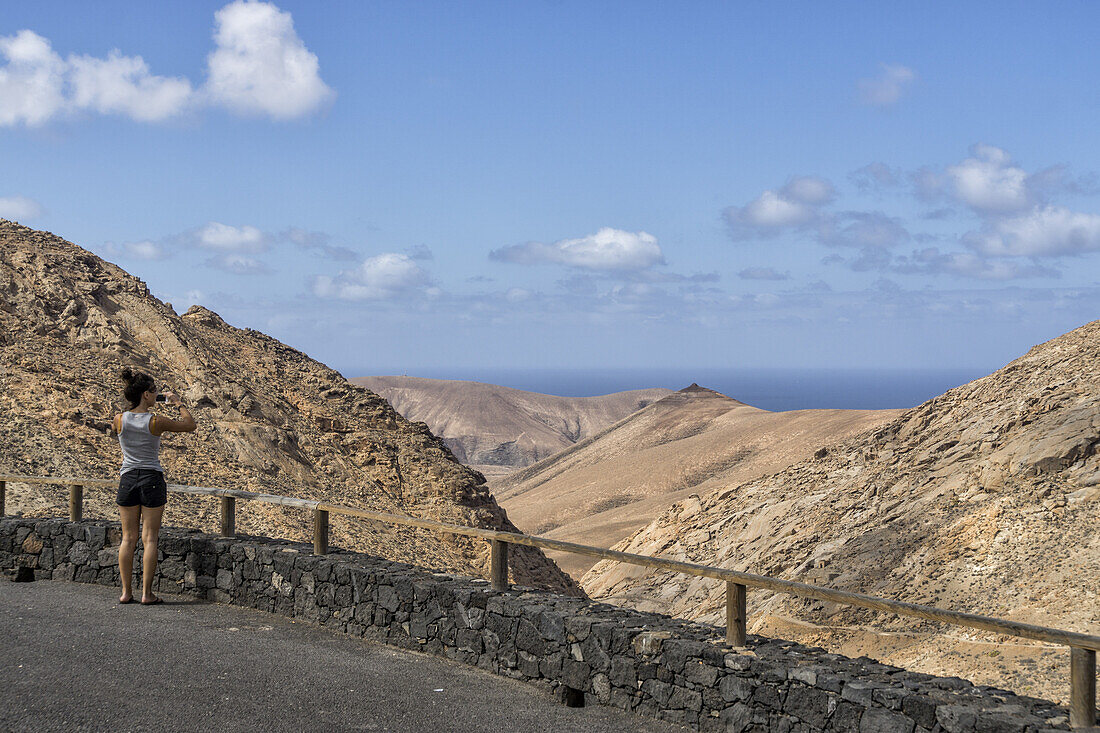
pixel 1083 647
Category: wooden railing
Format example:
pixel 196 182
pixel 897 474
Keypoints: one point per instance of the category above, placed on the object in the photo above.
pixel 1083 647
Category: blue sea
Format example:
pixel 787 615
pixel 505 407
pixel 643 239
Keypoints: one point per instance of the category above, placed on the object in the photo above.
pixel 770 389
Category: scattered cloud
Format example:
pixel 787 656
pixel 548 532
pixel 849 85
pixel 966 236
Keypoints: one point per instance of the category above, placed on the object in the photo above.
pixel 123 85
pixel 31 81
pixel 938 214
pixel 607 249
pixel 864 229
pixel 1048 231
pixel 796 204
pixel 383 277
pixel 988 183
pixel 317 242
pixel 931 261
pixel 517 295
pixel 145 250
pixel 259 66
pixel 420 252
pixel 886 88
pixel 875 176
pixel 763 273
pixel 19 208
pixel 238 264
pixel 227 238
pixel 928 184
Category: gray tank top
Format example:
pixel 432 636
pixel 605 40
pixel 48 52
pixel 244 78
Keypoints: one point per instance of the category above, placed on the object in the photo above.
pixel 140 448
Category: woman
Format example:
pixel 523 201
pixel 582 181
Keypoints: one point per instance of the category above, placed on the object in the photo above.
pixel 142 492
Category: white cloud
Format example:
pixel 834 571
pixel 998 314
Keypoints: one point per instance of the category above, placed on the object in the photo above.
pixel 123 85
pixel 382 277
pixel 238 264
pixel 226 238
pixel 145 250
pixel 794 205
pixel 772 211
pixel 607 249
pixel 809 190
pixel 19 208
pixel 1049 231
pixel 886 88
pixel 261 66
pixel 31 82
pixel 988 183
pixel 517 295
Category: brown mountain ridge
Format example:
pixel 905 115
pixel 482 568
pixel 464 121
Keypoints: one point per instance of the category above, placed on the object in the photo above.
pixel 985 499
pixel 270 418
pixel 497 430
pixel 606 487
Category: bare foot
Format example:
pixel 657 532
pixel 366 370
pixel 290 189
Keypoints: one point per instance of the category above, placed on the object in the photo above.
pixel 150 600
pixel 126 598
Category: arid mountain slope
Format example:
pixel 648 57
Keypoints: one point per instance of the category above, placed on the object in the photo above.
pixel 985 499
pixel 270 418
pixel 604 488
pixel 498 429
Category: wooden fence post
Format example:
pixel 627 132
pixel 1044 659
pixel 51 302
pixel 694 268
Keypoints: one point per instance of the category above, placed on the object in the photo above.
pixel 735 614
pixel 320 532
pixel 229 516
pixel 76 502
pixel 1082 688
pixel 498 565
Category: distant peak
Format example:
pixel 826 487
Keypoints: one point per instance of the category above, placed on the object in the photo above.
pixel 693 387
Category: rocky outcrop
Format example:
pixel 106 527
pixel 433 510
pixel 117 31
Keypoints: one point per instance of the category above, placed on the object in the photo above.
pixel 270 418
pixel 985 499
pixel 498 429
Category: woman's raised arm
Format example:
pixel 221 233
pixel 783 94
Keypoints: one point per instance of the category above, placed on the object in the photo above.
pixel 186 423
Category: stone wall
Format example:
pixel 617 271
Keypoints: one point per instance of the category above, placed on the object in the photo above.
pixel 576 649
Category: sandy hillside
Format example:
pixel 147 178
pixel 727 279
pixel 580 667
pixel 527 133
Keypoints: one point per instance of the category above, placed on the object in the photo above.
pixel 985 499
pixel 604 488
pixel 270 418
pixel 498 429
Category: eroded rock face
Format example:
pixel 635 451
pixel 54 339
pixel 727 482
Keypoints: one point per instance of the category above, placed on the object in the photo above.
pixel 985 499
pixel 270 418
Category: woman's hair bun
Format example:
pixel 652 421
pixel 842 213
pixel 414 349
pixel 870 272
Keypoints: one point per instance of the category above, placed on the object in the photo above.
pixel 127 375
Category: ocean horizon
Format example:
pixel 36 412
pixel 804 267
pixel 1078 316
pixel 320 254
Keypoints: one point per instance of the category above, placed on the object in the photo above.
pixel 769 389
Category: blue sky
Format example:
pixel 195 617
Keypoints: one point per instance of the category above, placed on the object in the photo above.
pixel 432 187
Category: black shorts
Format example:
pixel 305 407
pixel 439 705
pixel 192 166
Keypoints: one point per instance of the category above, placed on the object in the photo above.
pixel 142 486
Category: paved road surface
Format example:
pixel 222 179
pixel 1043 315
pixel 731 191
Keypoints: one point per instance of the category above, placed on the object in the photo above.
pixel 73 659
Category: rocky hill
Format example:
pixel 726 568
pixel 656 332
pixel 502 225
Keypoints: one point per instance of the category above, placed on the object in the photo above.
pixel 270 418
pixel 498 429
pixel 985 499
pixel 608 486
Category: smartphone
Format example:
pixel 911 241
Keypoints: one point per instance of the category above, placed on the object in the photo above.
pixel 161 397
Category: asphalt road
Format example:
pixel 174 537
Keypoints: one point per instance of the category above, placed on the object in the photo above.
pixel 73 659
